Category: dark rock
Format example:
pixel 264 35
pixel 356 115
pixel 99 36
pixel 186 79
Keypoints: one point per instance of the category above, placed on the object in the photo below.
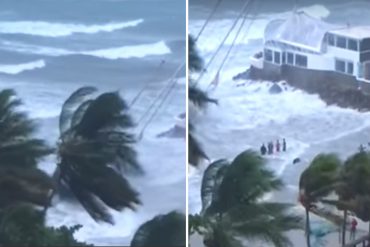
pixel 242 76
pixel 275 89
pixel 333 88
pixel 296 160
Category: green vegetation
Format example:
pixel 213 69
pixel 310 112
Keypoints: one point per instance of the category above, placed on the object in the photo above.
pixel 344 185
pixel 200 99
pixel 232 205
pixel 162 230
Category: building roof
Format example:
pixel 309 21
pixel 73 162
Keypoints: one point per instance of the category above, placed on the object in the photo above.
pixel 299 29
pixel 358 32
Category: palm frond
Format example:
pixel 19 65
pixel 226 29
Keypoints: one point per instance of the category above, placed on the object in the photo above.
pixel 109 110
pixel 269 223
pixel 246 180
pixel 162 230
pixel 195 60
pixel 221 235
pixel 321 177
pixel 196 152
pixel 70 106
pixel 95 184
pixel 211 181
pixel 24 185
pixel 79 113
pixel 199 97
pixel 18 147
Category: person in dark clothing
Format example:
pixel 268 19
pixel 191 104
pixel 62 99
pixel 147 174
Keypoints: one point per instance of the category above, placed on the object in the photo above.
pixel 284 145
pixel 270 148
pixel 263 149
pixel 277 146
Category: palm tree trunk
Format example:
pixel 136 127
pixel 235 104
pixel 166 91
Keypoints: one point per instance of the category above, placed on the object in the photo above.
pixel 308 230
pixel 344 228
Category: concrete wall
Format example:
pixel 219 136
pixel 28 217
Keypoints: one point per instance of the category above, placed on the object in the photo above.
pixel 334 88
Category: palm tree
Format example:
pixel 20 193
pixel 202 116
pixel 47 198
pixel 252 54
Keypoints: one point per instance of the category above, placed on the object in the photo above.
pixel 20 179
pixel 95 149
pixel 195 60
pixel 353 190
pixel 231 197
pixel 317 181
pixel 162 230
pixel 200 99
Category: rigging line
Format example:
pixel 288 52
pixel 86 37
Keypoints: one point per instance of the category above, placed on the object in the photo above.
pixel 161 93
pixel 223 41
pixel 234 41
pixel 143 89
pixel 208 19
pixel 157 109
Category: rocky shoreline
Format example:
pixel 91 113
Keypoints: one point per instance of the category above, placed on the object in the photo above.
pixel 334 89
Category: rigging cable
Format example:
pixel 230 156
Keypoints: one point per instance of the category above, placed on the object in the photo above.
pixel 163 92
pixel 208 19
pixel 143 89
pixel 223 41
pixel 233 43
pixel 163 95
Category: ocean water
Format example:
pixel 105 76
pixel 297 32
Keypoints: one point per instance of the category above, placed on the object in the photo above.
pixel 50 48
pixel 249 115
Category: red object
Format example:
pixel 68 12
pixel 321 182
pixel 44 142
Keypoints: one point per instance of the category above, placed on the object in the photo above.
pixel 354 224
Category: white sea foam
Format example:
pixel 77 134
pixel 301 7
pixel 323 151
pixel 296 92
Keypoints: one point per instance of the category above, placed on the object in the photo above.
pixel 253 28
pixel 139 51
pixel 49 29
pixel 19 68
pixel 158 48
pixel 249 115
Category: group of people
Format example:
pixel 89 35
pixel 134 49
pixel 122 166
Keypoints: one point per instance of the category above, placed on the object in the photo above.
pixel 271 147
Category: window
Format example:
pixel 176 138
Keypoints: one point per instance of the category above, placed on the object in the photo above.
pixel 341 42
pixel 300 60
pixel 331 39
pixel 277 57
pixel 268 55
pixel 365 44
pixel 350 68
pixel 340 66
pixel 284 57
pixel 352 44
pixel 290 58
pixel 344 66
pixel 360 70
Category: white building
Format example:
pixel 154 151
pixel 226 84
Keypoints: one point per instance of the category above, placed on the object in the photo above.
pixel 306 42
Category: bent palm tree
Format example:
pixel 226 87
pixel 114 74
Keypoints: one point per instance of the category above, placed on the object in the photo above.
pixel 162 230
pixel 353 191
pixel 20 179
pixel 235 210
pixel 195 60
pixel 317 182
pixel 95 148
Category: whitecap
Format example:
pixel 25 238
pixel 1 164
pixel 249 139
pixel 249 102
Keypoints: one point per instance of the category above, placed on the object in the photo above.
pixel 48 29
pixel 19 68
pixel 131 51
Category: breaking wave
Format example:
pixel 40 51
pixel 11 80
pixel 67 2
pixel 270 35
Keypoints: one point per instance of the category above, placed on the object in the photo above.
pixel 48 29
pixel 19 68
pixel 139 51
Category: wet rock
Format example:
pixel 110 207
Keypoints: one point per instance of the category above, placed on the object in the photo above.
pixel 243 76
pixel 296 160
pixel 275 89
